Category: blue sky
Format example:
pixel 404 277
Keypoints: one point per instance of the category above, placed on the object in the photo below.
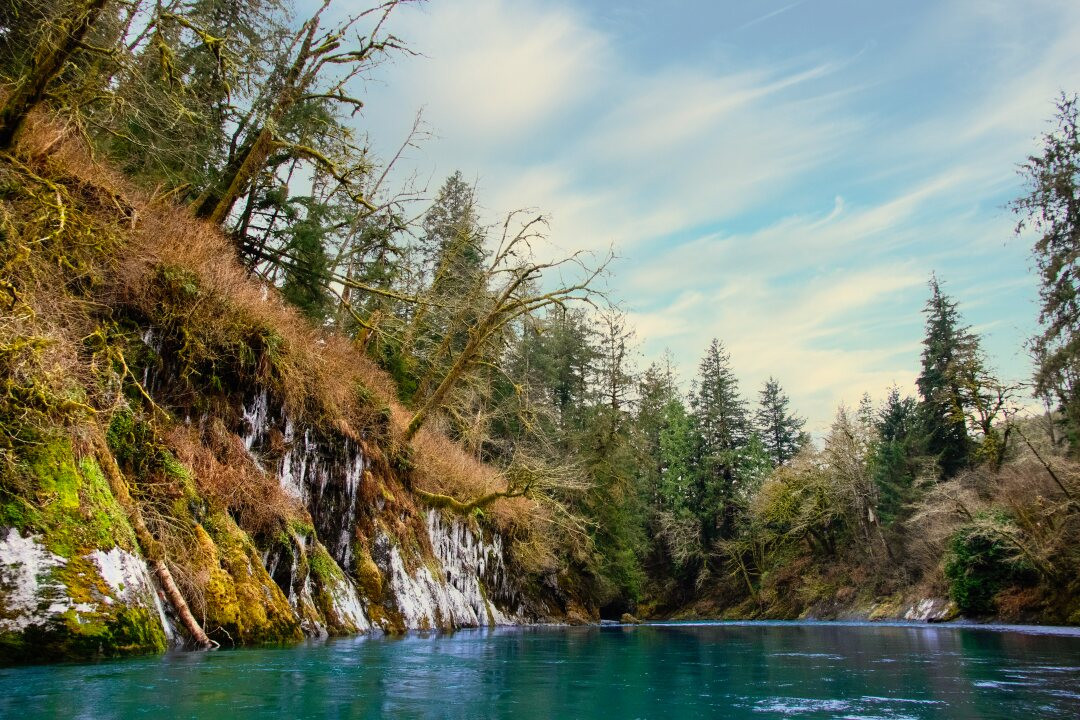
pixel 782 175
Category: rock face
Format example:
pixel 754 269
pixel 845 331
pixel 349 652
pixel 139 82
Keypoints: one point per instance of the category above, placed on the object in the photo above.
pixel 358 574
pixel 73 583
pixel 471 573
pixel 53 607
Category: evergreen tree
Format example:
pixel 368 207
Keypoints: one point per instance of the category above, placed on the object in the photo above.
pixel 896 457
pixel 656 390
pixel 451 255
pixel 722 427
pixel 453 240
pixel 1052 208
pixel 947 344
pixel 780 430
pixel 718 410
pixel 559 354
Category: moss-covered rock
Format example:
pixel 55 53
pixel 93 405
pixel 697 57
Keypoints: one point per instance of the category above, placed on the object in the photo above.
pixel 72 584
pixel 243 604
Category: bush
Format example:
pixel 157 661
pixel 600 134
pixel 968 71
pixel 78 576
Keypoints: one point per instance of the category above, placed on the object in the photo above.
pixel 980 562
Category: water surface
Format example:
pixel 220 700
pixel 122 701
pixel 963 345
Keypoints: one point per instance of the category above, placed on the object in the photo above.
pixel 669 671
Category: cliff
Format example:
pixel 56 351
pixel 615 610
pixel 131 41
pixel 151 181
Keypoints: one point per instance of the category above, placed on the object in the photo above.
pixel 180 451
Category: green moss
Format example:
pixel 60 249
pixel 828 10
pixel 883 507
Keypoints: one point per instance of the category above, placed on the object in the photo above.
pixel 243 604
pixel 66 500
pixel 138 450
pixel 368 576
pixel 130 631
pixel 322 565
pixel 302 528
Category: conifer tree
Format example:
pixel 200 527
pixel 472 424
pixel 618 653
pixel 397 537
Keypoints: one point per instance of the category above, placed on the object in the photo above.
pixel 719 410
pixel 722 427
pixel 946 346
pixel 896 456
pixel 780 430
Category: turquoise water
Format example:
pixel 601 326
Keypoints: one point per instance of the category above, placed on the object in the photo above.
pixel 725 670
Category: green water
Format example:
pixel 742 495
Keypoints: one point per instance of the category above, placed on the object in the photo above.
pixel 751 670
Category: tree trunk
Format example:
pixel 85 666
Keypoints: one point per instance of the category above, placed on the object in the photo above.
pixel 49 59
pixel 152 549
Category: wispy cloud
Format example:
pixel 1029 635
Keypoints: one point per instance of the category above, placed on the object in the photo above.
pixel 789 199
pixel 770 15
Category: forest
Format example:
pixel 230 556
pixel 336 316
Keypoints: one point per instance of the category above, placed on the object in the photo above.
pixel 174 163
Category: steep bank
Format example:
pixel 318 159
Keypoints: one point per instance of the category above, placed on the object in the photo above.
pixel 180 451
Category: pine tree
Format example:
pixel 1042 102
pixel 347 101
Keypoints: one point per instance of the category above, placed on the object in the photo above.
pixel 780 430
pixel 453 239
pixel 720 420
pixel 719 411
pixel 947 345
pixel 656 389
pixel 896 459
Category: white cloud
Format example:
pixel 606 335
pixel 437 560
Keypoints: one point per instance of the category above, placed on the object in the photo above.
pixel 717 182
pixel 496 70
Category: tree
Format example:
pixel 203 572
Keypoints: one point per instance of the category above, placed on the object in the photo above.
pixel 722 428
pixel 656 390
pixel 947 345
pixel 511 280
pixel 847 455
pixel 184 86
pixel 320 68
pixel 718 409
pixel 452 260
pixel 896 458
pixel 780 430
pixel 614 377
pixel 63 39
pixel 453 240
pixel 1051 208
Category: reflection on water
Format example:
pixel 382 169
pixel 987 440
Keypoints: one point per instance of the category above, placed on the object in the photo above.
pixel 753 670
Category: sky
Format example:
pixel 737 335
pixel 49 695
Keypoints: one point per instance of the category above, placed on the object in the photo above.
pixel 783 175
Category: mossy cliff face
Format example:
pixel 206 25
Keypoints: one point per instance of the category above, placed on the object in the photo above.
pixel 351 553
pixel 72 583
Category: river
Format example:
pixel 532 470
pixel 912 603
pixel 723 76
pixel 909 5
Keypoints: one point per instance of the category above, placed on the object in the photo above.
pixel 669 671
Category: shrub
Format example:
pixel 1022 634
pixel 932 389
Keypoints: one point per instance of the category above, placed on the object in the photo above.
pixel 980 562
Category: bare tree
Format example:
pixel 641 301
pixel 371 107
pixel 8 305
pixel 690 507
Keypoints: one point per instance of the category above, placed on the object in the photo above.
pixel 308 76
pixel 511 281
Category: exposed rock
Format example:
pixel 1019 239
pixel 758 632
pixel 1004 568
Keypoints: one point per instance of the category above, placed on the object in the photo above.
pixel 931 610
pixel 98 603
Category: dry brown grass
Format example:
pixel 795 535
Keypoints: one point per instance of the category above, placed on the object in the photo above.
pixel 225 473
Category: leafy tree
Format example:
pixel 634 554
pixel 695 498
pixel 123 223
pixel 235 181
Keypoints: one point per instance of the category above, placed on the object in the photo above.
pixel 947 345
pixel 780 430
